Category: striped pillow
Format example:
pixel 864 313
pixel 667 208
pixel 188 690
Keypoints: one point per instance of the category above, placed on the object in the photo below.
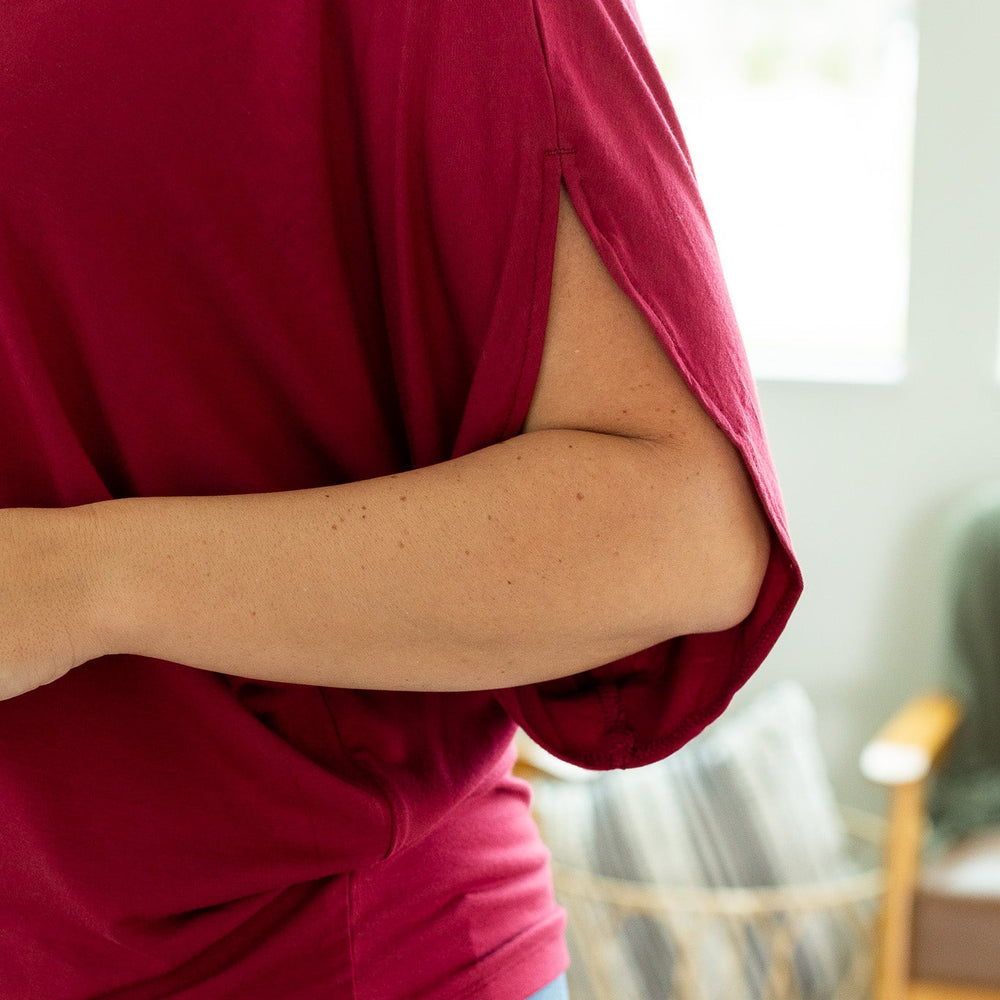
pixel 747 804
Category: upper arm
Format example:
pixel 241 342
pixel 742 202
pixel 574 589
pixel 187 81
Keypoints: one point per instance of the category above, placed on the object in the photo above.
pixel 604 370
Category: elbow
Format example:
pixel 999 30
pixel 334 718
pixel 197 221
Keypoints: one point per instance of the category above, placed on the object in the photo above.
pixel 742 553
pixel 741 579
pixel 732 543
pixel 713 553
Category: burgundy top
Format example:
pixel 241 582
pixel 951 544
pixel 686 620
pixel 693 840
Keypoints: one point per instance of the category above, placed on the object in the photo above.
pixel 250 246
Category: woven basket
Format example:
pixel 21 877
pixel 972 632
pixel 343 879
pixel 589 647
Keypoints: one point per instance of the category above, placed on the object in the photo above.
pixel 631 941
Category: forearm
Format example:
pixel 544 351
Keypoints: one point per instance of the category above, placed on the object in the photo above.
pixel 518 563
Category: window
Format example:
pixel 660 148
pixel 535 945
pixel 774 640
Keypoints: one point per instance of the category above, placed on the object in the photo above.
pixel 799 116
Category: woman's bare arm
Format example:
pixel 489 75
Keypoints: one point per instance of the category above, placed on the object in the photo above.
pixel 620 518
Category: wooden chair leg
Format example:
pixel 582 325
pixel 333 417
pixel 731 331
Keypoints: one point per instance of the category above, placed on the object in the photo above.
pixel 902 858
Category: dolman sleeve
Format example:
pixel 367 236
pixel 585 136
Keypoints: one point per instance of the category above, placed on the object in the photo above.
pixel 515 101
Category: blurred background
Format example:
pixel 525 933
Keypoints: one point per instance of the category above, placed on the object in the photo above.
pixel 848 153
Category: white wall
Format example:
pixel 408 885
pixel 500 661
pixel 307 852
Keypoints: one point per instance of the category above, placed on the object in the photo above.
pixel 868 470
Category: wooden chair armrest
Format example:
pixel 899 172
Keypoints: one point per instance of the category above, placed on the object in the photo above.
pixel 910 744
pixel 901 757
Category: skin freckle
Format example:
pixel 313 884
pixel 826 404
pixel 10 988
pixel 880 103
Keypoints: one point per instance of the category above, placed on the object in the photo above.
pixel 579 496
pixel 401 545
